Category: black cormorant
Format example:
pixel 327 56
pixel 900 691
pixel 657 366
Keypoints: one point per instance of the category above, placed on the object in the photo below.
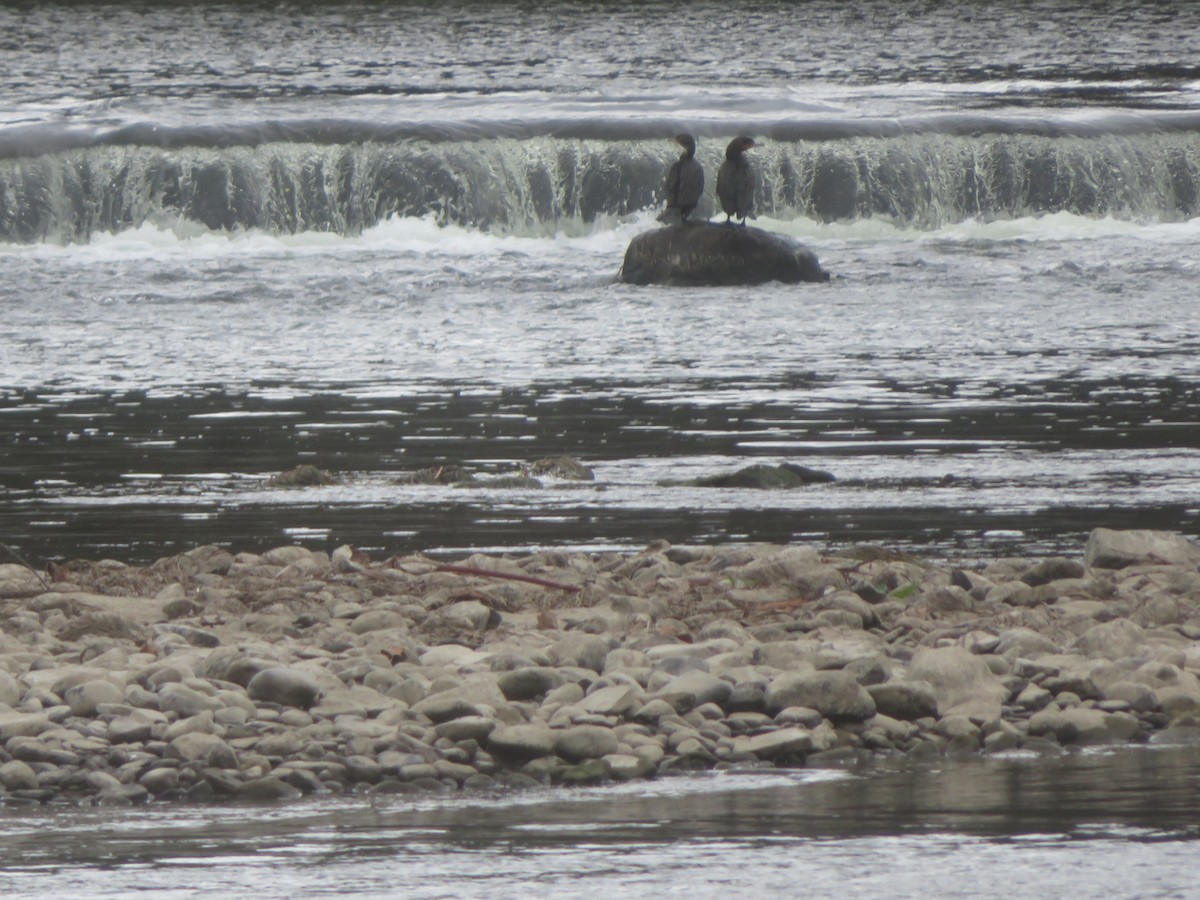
pixel 735 181
pixel 685 182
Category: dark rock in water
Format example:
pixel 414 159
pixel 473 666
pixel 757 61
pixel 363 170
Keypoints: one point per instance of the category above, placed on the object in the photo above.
pixel 809 475
pixel 459 476
pixel 304 476
pixel 504 482
pixel 711 254
pixel 562 467
pixel 444 474
pixel 788 475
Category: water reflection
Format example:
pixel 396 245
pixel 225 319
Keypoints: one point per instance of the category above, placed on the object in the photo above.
pixel 998 821
pixel 140 475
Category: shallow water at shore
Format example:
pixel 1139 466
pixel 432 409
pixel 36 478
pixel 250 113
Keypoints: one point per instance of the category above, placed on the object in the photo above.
pixel 1095 824
pixel 149 401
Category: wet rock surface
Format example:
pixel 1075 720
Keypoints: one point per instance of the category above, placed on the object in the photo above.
pixel 215 676
pixel 705 253
pixel 787 475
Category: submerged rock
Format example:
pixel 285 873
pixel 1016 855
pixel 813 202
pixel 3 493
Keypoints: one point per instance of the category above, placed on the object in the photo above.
pixel 711 254
pixel 304 476
pixel 788 475
pixel 444 474
pixel 562 467
pixel 503 482
pixel 521 477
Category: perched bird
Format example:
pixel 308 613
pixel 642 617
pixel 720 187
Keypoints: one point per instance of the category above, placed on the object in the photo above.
pixel 735 181
pixel 685 182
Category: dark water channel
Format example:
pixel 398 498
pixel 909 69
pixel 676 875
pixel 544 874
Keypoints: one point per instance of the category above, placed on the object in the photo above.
pixel 139 476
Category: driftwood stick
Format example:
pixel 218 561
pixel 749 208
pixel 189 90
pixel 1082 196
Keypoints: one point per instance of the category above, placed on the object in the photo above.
pixel 773 605
pixel 17 556
pixel 529 579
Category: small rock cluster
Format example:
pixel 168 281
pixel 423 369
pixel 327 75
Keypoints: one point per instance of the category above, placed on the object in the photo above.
pixel 214 675
pixel 525 477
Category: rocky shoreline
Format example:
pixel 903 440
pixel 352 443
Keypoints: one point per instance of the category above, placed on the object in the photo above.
pixel 221 676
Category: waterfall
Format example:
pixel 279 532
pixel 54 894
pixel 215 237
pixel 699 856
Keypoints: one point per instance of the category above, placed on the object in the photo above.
pixel 538 184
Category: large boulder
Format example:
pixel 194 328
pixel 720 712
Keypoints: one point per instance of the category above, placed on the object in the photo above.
pixel 761 477
pixel 584 742
pixel 905 700
pixel 287 687
pixel 446 706
pixel 586 651
pixel 773 744
pixel 86 697
pixel 1111 640
pixel 19 724
pixel 528 682
pixel 835 695
pixel 1080 725
pixel 1108 549
pixel 962 682
pixel 521 743
pixel 704 253
pixel 694 688
pixel 208 749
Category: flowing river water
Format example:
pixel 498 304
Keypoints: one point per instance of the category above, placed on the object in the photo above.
pixel 1087 825
pixel 377 237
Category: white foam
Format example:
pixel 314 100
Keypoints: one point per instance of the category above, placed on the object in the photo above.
pixel 1059 226
pixel 425 237
pixel 421 236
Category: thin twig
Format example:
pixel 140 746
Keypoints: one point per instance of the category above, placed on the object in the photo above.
pixel 772 605
pixel 486 573
pixel 17 556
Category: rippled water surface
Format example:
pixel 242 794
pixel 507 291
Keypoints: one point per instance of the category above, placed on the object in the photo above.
pixel 62 62
pixel 1009 394
pixel 376 237
pixel 379 237
pixel 1093 825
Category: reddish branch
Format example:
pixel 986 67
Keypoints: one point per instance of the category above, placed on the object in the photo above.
pixel 774 605
pixel 528 579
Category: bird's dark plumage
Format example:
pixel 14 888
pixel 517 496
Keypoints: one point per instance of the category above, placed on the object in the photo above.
pixel 685 182
pixel 736 180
